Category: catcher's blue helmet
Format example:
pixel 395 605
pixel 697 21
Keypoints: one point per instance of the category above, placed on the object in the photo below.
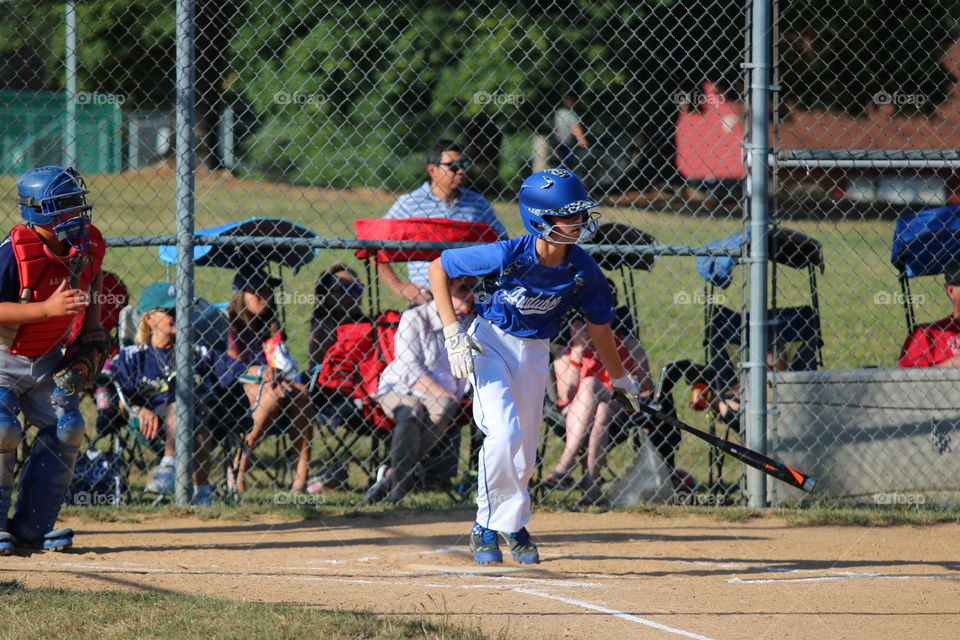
pixel 46 193
pixel 558 193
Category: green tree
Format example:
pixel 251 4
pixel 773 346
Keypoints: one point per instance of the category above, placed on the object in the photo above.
pixel 839 56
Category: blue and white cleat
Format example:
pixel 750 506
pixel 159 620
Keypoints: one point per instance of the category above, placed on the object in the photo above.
pixel 522 547
pixel 484 545
pixel 7 543
pixel 58 540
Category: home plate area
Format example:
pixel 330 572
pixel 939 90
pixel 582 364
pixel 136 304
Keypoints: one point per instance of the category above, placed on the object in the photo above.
pixel 602 575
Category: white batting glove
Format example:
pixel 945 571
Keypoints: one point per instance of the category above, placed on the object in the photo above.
pixel 627 392
pixel 460 348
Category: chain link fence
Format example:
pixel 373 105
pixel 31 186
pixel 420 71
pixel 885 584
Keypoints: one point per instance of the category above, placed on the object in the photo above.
pixel 312 122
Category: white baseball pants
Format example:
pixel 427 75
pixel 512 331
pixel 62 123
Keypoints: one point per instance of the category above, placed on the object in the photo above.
pixel 509 381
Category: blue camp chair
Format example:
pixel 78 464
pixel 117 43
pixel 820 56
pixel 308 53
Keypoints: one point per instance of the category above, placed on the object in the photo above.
pixel 261 256
pixel 924 243
pixel 794 336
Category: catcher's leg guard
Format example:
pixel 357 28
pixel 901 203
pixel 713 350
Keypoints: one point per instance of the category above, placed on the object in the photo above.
pixel 47 473
pixel 10 434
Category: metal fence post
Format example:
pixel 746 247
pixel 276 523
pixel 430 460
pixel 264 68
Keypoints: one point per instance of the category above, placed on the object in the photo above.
pixel 70 130
pixel 186 166
pixel 761 28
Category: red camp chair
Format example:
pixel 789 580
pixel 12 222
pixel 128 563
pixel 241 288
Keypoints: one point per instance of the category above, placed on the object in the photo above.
pixel 357 377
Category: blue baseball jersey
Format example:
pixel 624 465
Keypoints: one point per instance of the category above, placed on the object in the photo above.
pixel 530 300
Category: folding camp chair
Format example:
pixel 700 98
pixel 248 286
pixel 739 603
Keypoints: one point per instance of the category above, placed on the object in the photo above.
pixel 794 336
pixel 421 230
pixel 277 467
pixel 924 243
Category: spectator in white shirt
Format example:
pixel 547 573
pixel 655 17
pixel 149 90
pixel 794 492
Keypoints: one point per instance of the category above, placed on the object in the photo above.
pixel 419 391
pixel 568 132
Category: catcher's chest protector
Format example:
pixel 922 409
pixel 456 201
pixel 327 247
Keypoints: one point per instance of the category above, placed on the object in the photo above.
pixel 41 272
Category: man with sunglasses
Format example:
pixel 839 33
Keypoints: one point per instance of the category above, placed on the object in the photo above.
pixel 443 196
pixel 49 274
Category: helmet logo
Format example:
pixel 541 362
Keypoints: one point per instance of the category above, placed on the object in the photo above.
pixel 547 183
pixel 560 173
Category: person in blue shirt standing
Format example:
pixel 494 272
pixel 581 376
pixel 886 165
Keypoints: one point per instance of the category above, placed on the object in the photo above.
pixel 444 196
pixel 532 283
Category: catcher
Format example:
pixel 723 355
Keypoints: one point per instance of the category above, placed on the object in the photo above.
pixel 49 277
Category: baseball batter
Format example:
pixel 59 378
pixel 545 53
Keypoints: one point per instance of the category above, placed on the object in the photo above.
pixel 49 274
pixel 531 283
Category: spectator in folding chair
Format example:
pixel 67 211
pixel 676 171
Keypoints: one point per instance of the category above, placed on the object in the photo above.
pixel 419 391
pixel 144 374
pixel 727 403
pixel 585 395
pixel 256 338
pixel 336 300
pixel 443 196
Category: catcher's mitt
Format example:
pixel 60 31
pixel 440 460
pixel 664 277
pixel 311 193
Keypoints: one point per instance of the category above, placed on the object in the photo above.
pixel 82 362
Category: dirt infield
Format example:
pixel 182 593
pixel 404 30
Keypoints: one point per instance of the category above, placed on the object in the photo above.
pixel 603 575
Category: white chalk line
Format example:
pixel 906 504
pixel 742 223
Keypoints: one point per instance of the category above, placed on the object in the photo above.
pixel 612 612
pixel 843 576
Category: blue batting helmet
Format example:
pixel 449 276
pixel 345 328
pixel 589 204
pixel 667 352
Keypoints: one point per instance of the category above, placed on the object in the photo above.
pixel 46 193
pixel 558 193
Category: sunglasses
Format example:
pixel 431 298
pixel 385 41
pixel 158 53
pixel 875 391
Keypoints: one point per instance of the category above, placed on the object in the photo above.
pixel 170 312
pixel 349 287
pixel 459 165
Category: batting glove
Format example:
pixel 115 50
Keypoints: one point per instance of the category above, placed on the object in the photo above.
pixel 460 347
pixel 627 392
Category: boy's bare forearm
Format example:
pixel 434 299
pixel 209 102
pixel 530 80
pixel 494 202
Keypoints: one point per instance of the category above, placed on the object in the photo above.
pixel 16 313
pixel 440 283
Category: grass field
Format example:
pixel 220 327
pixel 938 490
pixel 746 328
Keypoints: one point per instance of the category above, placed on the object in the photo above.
pixel 160 616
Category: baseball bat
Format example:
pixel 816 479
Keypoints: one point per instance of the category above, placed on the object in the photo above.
pixel 753 458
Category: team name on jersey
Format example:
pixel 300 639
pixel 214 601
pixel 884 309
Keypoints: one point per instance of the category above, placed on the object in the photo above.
pixel 531 305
